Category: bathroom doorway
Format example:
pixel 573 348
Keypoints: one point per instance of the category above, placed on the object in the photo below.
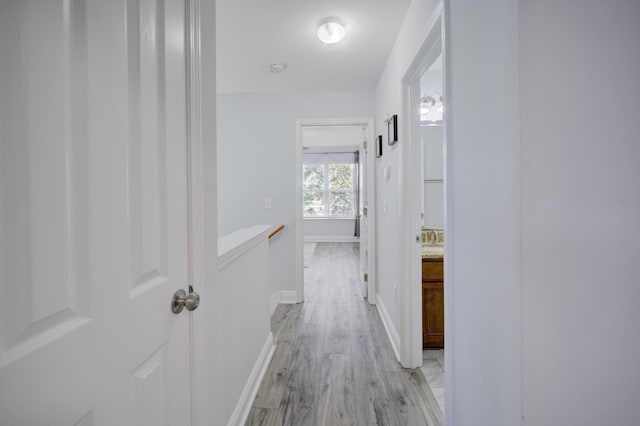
pixel 425 211
pixel 433 237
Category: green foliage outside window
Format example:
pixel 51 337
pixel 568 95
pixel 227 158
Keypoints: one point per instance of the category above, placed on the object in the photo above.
pixel 328 185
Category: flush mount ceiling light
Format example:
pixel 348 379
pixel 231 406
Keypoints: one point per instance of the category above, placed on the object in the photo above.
pixel 331 31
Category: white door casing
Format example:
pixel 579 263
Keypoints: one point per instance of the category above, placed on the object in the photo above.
pixel 412 206
pixel 363 212
pixel 367 213
pixel 368 230
pixel 93 213
pixel 369 188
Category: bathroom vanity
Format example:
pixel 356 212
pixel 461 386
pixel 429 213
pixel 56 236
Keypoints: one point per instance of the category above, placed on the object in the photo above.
pixel 432 299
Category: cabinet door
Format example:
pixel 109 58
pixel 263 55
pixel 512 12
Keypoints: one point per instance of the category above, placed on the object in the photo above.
pixel 433 314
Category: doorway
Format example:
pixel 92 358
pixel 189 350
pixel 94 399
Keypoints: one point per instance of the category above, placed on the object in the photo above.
pixel 333 193
pixel 424 203
pixel 433 237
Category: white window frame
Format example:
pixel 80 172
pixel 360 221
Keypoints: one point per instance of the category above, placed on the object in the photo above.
pixel 326 191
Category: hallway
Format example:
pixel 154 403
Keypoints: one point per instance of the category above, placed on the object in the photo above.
pixel 333 364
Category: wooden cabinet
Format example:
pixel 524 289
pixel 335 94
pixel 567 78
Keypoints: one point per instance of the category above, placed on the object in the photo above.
pixel 432 303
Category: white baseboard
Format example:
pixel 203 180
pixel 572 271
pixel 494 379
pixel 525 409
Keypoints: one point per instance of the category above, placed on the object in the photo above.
pixel 331 239
pixel 394 337
pixel 287 297
pixel 243 407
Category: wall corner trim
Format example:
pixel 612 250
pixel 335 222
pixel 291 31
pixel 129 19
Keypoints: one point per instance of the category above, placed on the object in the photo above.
pixel 394 337
pixel 248 395
pixel 286 297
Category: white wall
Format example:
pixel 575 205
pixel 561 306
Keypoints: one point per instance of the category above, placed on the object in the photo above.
pixel 388 102
pixel 581 210
pixel 484 237
pixel 242 314
pixel 484 326
pixel 256 158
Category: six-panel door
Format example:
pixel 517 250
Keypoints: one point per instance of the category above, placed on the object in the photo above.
pixel 93 213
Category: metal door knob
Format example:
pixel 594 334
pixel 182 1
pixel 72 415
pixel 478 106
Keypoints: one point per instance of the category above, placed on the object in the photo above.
pixel 181 300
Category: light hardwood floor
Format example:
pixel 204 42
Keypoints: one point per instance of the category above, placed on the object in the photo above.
pixel 333 363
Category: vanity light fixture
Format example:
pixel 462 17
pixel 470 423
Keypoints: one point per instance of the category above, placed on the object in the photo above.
pixel 427 102
pixel 331 30
pixel 431 100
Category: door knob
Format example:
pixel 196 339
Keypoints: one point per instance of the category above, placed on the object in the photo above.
pixel 181 300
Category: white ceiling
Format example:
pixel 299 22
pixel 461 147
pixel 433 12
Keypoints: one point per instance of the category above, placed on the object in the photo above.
pixel 252 34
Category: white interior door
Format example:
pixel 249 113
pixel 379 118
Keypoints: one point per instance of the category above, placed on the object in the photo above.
pixel 93 213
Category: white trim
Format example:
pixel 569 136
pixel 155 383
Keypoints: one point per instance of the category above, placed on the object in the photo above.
pixel 355 121
pixel 327 219
pixel 372 289
pixel 243 406
pixel 284 297
pixel 448 226
pixel 412 183
pixel 200 99
pixel 330 239
pixel 343 149
pixel 288 297
pixel 299 215
pixel 326 162
pixel 232 246
pixel 392 333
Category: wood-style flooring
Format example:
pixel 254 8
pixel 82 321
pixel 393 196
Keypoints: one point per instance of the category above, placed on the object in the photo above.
pixel 333 364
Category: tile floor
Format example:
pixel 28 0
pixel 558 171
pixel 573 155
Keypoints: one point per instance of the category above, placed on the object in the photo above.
pixel 433 370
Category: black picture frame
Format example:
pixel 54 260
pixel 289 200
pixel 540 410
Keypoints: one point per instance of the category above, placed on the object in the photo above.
pixel 378 146
pixel 392 130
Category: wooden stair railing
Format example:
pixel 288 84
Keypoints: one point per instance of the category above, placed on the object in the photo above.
pixel 278 229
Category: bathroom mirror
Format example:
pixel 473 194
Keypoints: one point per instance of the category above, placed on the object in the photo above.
pixel 431 131
pixel 433 177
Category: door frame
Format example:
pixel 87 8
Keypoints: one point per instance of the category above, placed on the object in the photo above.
pixel 411 349
pixel 315 122
pixel 202 194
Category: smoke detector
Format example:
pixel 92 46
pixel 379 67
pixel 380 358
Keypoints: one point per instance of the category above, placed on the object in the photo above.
pixel 278 67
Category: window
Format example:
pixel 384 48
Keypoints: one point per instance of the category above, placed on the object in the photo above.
pixel 328 185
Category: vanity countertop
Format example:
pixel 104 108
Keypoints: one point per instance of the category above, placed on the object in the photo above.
pixel 432 252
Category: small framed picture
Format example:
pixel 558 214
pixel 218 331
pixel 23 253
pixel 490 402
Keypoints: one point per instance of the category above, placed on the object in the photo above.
pixel 379 146
pixel 392 130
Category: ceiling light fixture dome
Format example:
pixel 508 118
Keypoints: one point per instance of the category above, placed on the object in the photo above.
pixel 278 67
pixel 331 30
